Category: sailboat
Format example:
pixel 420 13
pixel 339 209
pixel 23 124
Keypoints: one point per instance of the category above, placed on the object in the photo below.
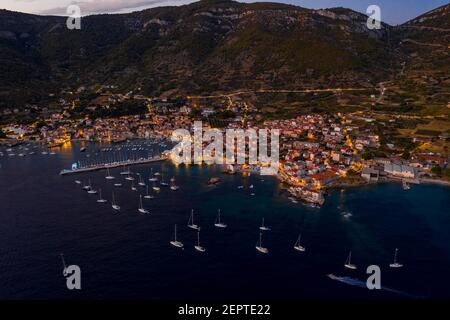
pixel 114 204
pixel 163 183
pixel 173 186
pixel 87 187
pixel 263 227
pixel 108 175
pixel 125 172
pixel 91 190
pixel 64 265
pixel 175 242
pixel 117 184
pixel 133 188
pixel 77 181
pixel 129 177
pixel 148 195
pixel 395 264
pixel 191 223
pixel 259 246
pixel 348 263
pixel 100 199
pixel 152 177
pixel 405 185
pixel 198 247
pixel 298 246
pixel 141 207
pixel 218 223
pixel 156 188
pixel 141 182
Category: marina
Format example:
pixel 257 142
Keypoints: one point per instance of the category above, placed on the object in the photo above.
pixel 112 165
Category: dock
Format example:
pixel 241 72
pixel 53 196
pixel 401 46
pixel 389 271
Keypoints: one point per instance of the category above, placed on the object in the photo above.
pixel 113 165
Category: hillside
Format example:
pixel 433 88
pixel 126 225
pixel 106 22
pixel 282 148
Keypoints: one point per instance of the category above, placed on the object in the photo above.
pixel 207 46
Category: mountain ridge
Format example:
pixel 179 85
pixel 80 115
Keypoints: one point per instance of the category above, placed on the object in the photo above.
pixel 206 46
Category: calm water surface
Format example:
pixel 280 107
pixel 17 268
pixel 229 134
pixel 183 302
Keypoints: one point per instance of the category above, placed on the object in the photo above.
pixel 127 255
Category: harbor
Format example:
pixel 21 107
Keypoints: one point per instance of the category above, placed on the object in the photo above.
pixel 134 221
pixel 112 165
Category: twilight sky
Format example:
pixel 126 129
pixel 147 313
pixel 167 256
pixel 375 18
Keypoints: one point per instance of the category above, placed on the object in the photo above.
pixel 392 11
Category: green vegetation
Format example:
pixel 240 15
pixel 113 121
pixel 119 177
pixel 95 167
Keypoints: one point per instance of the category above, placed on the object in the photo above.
pixel 127 107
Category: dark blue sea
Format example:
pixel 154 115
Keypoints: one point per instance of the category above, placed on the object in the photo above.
pixel 128 255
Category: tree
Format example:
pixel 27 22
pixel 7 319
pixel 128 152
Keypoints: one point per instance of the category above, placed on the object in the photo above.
pixel 367 154
pixel 406 155
pixel 437 170
pixel 447 173
pixel 2 134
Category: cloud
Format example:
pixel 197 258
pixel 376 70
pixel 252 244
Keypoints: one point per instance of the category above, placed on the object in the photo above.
pixel 111 6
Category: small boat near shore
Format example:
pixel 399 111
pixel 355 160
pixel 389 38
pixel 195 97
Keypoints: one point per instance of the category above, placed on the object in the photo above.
pixel 405 185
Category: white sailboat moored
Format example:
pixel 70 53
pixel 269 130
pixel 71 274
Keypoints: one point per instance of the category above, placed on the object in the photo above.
pixel 100 199
pixel 175 242
pixel 108 175
pixel 198 247
pixel 64 265
pixel 114 204
pixel 91 190
pixel 141 207
pixel 141 182
pixel 263 227
pixel 173 185
pixel 191 223
pixel 218 223
pixel 259 246
pixel 155 187
pixel 395 264
pixel 298 246
pixel 348 263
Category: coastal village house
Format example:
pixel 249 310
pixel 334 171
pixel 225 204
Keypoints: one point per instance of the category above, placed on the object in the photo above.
pixel 400 170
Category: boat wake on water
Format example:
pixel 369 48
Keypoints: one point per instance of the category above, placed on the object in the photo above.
pixel 362 284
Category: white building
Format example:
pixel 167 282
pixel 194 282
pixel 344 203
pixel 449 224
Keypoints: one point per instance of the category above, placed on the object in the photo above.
pixel 400 170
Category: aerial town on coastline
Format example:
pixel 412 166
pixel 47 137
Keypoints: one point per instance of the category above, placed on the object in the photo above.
pixel 317 151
